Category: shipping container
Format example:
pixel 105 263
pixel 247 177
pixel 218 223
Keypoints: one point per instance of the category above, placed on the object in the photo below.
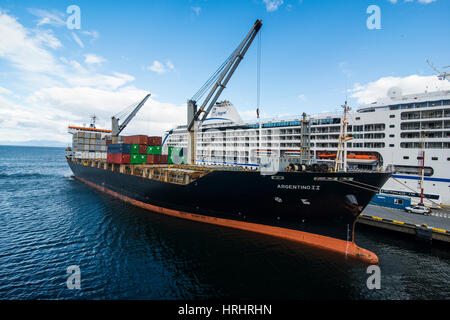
pixel 119 148
pixel 137 139
pixel 154 150
pixel 134 149
pixel 391 201
pixel 143 149
pixel 118 158
pixel 138 158
pixel 154 141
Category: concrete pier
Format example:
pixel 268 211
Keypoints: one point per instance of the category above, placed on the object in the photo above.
pixel 435 227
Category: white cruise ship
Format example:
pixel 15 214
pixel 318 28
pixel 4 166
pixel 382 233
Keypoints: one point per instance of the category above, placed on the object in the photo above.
pixel 390 134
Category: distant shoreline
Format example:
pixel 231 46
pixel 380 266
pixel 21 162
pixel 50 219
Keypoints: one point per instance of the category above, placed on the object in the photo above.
pixel 14 145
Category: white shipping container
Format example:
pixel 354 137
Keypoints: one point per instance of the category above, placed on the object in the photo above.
pixel 91 155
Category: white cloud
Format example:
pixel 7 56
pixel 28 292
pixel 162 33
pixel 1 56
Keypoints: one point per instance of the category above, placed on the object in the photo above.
pixel 77 40
pixel 302 97
pixel 411 84
pixel 53 18
pixel 61 91
pixel 5 91
pixel 273 5
pixel 170 65
pixel 93 59
pixel 24 50
pixel 160 68
pixel 93 34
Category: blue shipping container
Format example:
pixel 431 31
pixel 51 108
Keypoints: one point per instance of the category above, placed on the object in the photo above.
pixel 391 201
pixel 119 148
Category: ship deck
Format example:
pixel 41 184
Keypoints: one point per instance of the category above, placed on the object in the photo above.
pixel 172 173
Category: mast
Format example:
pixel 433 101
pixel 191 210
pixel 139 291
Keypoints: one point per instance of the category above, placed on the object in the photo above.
pixel 421 158
pixel 341 155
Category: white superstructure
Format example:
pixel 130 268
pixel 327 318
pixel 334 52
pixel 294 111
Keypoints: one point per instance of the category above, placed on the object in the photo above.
pixel 390 133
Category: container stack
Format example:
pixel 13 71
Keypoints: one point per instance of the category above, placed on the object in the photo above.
pixel 119 153
pixel 177 155
pixel 138 149
pixel 89 145
pixel 154 151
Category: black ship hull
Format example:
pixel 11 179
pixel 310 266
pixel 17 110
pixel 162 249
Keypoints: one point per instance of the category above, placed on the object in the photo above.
pixel 316 207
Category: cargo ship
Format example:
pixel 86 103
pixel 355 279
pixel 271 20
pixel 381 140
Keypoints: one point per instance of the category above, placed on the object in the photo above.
pixel 304 203
pixel 291 197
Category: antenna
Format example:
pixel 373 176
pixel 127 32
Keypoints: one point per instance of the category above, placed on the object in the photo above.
pixel 93 119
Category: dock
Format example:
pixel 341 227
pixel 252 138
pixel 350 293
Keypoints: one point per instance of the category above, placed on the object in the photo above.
pixel 435 227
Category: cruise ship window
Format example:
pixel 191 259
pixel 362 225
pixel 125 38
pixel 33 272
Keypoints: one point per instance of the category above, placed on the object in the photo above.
pixel 392 126
pixel 405 157
pixel 391 145
pixel 391 135
pixel 392 116
pixel 434 158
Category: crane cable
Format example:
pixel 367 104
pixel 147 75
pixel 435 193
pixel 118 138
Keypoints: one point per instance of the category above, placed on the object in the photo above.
pixel 213 79
pixel 258 73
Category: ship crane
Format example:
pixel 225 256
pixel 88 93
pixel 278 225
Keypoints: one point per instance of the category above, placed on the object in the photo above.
pixel 441 75
pixel 217 82
pixel 118 128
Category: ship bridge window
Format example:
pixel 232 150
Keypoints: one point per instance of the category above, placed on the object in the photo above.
pixel 435 103
pixel 446 102
pixel 367 110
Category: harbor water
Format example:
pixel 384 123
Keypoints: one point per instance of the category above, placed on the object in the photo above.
pixel 50 221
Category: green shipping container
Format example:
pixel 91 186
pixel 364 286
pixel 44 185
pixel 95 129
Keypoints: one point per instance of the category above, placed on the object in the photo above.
pixel 138 158
pixel 154 150
pixel 177 155
pixel 134 149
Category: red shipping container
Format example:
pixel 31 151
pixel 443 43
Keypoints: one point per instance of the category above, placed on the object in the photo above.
pixel 142 149
pixel 157 159
pixel 108 142
pixel 137 139
pixel 154 141
pixel 123 158
pixel 152 158
pixel 118 158
pixel 164 158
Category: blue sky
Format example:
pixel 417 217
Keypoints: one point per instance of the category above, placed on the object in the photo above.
pixel 315 54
